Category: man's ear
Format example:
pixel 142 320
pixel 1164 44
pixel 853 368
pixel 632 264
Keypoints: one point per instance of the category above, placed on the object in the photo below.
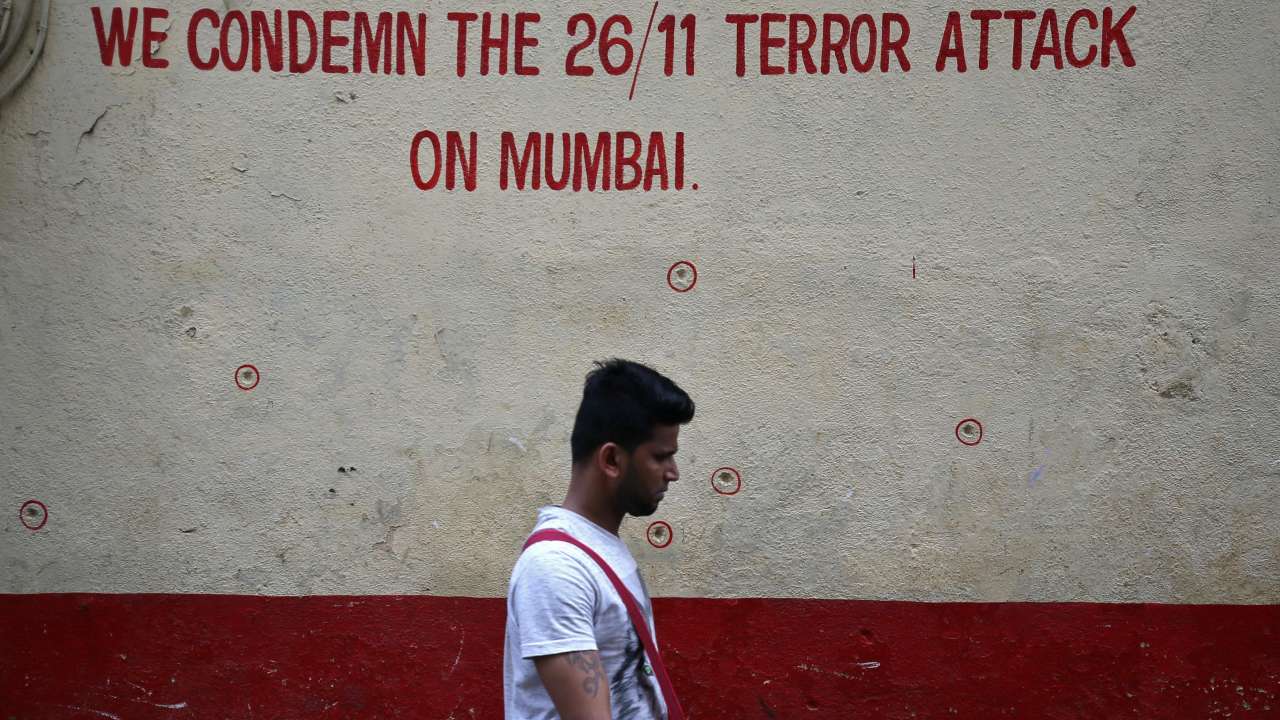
pixel 612 460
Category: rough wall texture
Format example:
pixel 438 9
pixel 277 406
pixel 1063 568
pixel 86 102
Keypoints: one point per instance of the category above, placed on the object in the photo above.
pixel 1082 260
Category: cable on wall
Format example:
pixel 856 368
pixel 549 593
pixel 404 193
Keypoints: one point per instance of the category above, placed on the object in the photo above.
pixel 14 16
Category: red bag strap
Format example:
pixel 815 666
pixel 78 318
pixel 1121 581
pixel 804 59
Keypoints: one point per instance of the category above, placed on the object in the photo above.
pixel 674 712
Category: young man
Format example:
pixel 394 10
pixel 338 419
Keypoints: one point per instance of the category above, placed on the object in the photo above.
pixel 571 649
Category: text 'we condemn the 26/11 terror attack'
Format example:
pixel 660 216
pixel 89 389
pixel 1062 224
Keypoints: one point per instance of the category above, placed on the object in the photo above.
pixel 765 44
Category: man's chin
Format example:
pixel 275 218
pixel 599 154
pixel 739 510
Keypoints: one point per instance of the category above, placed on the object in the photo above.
pixel 643 512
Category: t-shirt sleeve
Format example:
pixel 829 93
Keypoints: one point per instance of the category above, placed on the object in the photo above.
pixel 554 600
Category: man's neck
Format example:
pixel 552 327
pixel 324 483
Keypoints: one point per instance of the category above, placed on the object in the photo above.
pixel 597 512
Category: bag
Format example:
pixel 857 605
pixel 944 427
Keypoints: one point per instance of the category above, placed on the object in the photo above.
pixel 674 712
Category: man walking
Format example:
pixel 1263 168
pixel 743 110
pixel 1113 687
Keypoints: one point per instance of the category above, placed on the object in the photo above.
pixel 573 644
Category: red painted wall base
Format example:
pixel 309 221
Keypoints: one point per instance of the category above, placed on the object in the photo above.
pixel 136 657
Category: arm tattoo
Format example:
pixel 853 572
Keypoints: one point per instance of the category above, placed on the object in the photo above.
pixel 592 668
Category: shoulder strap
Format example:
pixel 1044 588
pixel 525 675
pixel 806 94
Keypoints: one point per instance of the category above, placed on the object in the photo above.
pixel 674 712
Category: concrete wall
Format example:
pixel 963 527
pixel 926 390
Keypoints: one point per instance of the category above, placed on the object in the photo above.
pixel 1080 259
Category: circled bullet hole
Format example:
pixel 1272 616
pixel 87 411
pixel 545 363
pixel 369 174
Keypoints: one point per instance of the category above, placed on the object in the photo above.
pixel 726 481
pixel 247 377
pixel 33 514
pixel 659 534
pixel 682 276
pixel 969 431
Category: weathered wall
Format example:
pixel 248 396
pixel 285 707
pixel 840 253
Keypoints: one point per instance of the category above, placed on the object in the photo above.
pixel 1093 280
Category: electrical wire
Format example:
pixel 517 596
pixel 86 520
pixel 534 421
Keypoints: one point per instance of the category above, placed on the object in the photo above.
pixel 42 32
pixel 16 28
pixel 6 14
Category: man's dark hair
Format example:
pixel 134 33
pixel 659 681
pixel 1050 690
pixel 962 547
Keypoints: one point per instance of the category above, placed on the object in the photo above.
pixel 622 401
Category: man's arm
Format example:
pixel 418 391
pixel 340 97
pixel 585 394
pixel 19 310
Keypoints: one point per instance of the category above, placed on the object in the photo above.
pixel 576 683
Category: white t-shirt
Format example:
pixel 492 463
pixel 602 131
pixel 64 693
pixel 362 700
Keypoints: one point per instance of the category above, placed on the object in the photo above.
pixel 559 600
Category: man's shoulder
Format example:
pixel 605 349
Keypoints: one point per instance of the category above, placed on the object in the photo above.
pixel 552 556
pixel 554 569
pixel 559 558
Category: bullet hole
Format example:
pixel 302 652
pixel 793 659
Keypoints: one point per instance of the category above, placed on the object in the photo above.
pixel 659 534
pixel 333 491
pixel 33 514
pixel 247 377
pixel 682 276
pixel 191 332
pixel 969 431
pixel 726 481
pixel 344 469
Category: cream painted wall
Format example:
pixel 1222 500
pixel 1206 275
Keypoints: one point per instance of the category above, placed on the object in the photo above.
pixel 1095 252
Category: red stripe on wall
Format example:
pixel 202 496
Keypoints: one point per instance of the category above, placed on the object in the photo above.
pixel 135 657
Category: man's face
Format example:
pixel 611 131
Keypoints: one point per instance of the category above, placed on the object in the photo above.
pixel 649 470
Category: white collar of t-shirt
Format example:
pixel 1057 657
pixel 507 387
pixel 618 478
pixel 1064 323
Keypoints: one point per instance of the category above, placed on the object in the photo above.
pixel 606 544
